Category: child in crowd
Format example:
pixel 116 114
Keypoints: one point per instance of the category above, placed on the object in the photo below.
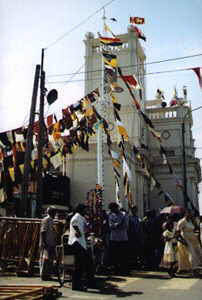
pixel 169 256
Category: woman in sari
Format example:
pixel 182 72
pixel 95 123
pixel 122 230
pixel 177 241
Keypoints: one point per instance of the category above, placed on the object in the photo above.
pixel 189 249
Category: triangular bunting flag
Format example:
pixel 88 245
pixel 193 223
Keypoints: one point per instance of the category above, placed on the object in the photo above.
pixel 121 129
pixel 139 33
pixel 132 81
pixel 198 72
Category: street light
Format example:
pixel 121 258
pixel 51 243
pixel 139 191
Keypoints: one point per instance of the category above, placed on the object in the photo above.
pixel 186 199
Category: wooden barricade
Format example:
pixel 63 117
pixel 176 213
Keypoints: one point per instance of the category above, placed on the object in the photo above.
pixel 19 244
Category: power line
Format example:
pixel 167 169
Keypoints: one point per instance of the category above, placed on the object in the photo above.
pixel 78 25
pixel 129 66
pixel 98 78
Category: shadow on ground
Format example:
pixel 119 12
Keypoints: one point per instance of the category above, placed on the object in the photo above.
pixel 108 286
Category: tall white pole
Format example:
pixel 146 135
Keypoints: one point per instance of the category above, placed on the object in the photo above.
pixel 100 146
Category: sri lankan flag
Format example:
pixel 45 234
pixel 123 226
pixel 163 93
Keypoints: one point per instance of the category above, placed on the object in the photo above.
pixel 113 41
pixel 137 20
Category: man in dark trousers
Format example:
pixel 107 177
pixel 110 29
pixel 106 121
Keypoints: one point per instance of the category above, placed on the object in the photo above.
pixel 82 260
pixel 135 238
pixel 118 239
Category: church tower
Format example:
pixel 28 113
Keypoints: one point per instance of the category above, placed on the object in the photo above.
pixel 131 60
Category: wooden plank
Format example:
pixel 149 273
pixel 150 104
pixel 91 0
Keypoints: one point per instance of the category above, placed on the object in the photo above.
pixel 30 292
pixel 12 294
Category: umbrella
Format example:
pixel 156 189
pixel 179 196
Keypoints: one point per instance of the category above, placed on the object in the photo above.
pixel 173 209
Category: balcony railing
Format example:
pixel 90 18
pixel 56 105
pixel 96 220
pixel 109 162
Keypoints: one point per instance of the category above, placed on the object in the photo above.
pixel 176 112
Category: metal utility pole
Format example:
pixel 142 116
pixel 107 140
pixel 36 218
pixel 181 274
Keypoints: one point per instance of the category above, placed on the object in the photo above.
pixel 185 194
pixel 29 145
pixel 184 164
pixel 41 137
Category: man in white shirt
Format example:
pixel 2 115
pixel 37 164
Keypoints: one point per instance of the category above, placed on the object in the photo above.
pixel 77 240
pixel 77 227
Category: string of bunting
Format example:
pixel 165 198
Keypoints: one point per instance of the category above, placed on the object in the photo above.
pixel 111 87
pixel 132 83
pixel 80 120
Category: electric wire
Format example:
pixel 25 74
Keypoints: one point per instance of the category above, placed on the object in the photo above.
pixel 98 78
pixel 129 66
pixel 47 107
pixel 78 25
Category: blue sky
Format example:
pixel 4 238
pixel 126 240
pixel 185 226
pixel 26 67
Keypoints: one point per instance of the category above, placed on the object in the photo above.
pixel 173 29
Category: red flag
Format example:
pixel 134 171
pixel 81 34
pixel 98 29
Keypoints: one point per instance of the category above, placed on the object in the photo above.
pixel 137 20
pixel 132 81
pixel 198 72
pixel 139 33
pixel 128 80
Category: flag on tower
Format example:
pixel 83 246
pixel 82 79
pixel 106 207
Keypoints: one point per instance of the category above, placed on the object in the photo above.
pixel 139 33
pixel 107 29
pixel 198 72
pixel 137 20
pixel 110 41
pixel 113 19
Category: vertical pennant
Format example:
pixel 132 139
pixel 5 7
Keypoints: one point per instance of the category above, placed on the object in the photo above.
pixel 12 173
pixel 117 192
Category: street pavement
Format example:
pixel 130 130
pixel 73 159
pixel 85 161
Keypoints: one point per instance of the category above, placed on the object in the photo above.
pixel 141 285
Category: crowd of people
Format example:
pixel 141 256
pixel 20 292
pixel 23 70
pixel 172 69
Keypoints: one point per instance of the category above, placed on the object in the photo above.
pixel 169 242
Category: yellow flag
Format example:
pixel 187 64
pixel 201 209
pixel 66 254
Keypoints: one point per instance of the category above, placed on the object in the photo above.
pixel 107 29
pixel 12 174
pixel 112 63
pixel 116 163
pixel 89 112
pixel 56 131
pixel 21 167
pixel 74 116
pixel 122 131
pixel 114 99
pixel 85 102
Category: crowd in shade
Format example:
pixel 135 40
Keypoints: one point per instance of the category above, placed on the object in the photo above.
pixel 166 242
pixel 169 242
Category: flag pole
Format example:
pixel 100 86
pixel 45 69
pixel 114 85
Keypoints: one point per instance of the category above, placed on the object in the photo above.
pixel 29 143
pixel 100 146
